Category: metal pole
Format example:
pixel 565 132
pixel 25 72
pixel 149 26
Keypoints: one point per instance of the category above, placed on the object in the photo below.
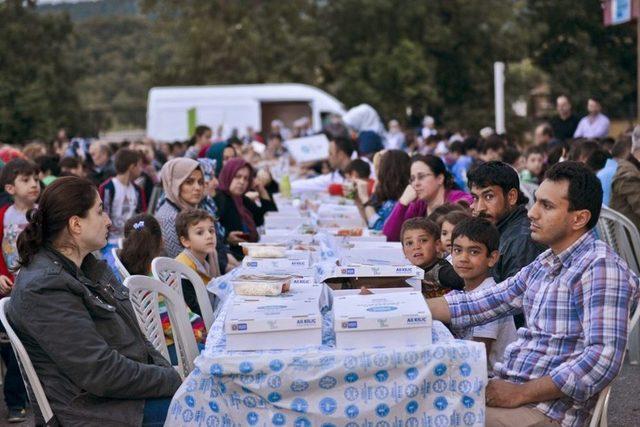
pixel 638 60
pixel 498 83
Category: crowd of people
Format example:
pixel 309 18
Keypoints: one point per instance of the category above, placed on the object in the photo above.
pixel 496 259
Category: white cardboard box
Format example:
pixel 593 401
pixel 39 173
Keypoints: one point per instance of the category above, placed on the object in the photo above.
pixel 273 323
pixel 379 255
pixel 411 274
pixel 285 222
pixel 270 265
pixel 389 319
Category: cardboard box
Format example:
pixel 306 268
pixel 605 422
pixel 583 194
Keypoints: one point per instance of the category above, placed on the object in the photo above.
pixel 378 255
pixel 390 319
pixel 273 265
pixel 285 222
pixel 272 323
pixel 376 276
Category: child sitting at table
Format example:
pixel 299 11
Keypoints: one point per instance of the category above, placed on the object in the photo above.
pixel 449 221
pixel 421 245
pixel 142 243
pixel 194 228
pixel 475 252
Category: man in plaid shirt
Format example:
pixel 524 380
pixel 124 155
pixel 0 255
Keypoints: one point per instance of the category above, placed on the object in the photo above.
pixel 576 298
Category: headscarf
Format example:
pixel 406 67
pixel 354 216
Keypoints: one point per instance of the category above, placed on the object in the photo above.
pixel 173 174
pixel 216 152
pixel 227 174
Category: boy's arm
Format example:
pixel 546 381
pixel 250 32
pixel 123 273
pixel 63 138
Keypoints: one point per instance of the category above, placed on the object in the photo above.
pixel 478 308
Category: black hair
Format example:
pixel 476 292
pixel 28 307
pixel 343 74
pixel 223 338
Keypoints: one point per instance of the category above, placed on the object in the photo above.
pixel 63 198
pixel 511 155
pixel 534 149
pixel 345 145
pixel 478 230
pixel 443 210
pixel 597 159
pixel 547 130
pixel 420 223
pixel 199 131
pixel 621 148
pixel 457 147
pixel 496 173
pixel 49 163
pixel 585 190
pixel 360 167
pixel 142 243
pixel 470 143
pixel 124 158
pixel 438 168
pixel 16 167
pixel 493 142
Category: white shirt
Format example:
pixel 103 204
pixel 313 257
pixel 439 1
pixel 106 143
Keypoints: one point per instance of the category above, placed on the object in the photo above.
pixel 316 184
pixel 503 331
pixel 596 128
pixel 123 207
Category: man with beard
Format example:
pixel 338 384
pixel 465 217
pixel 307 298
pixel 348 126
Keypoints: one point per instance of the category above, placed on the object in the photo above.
pixel 495 188
pixel 576 296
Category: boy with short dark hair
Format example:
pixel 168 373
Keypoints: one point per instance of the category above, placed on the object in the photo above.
pixel 19 178
pixel 197 233
pixel 121 197
pixel 421 244
pixel 534 158
pixel 475 243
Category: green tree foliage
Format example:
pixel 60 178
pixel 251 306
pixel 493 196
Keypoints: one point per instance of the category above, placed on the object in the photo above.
pixel 583 57
pixel 434 56
pixel 37 75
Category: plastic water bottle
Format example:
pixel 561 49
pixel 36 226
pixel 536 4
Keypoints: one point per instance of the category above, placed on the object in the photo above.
pixel 285 186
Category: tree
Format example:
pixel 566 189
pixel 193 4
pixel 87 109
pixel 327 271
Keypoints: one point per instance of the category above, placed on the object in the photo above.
pixel 37 77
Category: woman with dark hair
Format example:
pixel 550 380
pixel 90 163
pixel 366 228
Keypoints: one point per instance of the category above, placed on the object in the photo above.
pixel 239 215
pixel 199 143
pixel 393 178
pixel 76 321
pixel 431 185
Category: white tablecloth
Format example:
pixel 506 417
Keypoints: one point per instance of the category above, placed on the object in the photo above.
pixel 437 385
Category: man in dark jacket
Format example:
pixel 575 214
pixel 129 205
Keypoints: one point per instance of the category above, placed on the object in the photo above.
pixel 495 188
pixel 80 330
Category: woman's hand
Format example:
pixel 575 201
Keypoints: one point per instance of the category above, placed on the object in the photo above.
pixel 236 237
pixel 5 285
pixel 408 196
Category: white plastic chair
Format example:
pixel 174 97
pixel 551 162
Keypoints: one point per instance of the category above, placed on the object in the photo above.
pixel 119 265
pixel 622 235
pixel 32 382
pixel 599 417
pixel 143 293
pixel 170 272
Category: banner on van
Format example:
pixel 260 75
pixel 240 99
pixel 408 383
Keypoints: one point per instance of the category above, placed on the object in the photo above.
pixel 308 149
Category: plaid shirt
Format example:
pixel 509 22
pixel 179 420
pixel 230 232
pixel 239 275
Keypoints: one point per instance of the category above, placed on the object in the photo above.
pixel 577 308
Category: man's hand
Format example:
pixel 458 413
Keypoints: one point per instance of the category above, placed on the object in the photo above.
pixel 236 237
pixel 503 394
pixel 5 285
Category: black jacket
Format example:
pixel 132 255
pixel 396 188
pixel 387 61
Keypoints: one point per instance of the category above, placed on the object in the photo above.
pixel 517 249
pixel 81 333
pixel 232 221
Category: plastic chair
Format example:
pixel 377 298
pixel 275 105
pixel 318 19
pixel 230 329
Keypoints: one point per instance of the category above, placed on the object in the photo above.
pixel 622 235
pixel 119 265
pixel 170 272
pixel 143 293
pixel 599 417
pixel 30 378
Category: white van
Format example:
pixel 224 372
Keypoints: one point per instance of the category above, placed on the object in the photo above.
pixel 235 107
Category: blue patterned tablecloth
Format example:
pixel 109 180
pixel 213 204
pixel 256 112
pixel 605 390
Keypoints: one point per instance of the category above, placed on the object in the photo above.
pixel 438 385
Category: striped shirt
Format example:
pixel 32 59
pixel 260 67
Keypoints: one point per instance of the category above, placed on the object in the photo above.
pixel 577 307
